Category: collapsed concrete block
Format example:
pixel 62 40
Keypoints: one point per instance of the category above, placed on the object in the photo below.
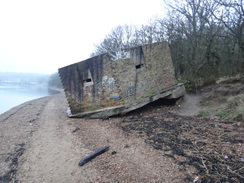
pixel 105 85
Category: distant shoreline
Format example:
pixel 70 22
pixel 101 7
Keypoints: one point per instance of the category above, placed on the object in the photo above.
pixel 22 104
pixel 54 90
pixel 12 98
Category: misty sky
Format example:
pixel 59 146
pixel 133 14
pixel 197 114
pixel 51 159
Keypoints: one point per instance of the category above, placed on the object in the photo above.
pixel 44 35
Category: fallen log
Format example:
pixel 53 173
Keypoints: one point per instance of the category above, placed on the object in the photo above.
pixel 93 155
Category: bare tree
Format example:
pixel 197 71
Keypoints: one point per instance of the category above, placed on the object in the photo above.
pixel 150 33
pixel 117 41
pixel 123 37
pixel 194 26
pixel 231 13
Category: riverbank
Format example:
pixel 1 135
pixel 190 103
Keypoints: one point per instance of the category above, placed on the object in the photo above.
pixel 157 143
pixel 40 143
pixel 16 130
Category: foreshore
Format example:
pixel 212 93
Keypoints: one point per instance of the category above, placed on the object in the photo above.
pixel 39 143
pixel 16 128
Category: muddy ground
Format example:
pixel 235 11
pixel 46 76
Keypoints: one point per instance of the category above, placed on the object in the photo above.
pixel 162 142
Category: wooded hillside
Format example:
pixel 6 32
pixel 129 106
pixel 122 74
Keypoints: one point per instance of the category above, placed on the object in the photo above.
pixel 206 38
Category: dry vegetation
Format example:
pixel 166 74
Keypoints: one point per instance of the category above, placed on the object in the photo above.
pixel 236 104
pixel 211 142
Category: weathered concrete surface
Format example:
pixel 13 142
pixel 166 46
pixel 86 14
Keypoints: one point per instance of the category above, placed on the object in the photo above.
pixel 103 86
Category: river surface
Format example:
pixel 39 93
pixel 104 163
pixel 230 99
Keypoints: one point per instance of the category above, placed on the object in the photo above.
pixel 11 96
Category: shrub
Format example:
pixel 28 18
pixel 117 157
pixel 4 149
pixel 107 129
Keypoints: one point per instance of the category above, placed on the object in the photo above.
pixel 228 79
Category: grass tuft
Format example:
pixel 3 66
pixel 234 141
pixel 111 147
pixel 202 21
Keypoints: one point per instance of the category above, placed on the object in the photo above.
pixel 223 114
pixel 236 105
pixel 203 114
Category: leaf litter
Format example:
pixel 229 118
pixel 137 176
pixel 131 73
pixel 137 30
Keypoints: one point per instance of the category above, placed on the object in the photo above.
pixel 214 148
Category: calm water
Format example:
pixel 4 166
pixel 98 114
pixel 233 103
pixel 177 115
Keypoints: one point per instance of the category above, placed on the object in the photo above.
pixel 11 96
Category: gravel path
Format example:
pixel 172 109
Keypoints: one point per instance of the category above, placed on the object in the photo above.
pixel 39 143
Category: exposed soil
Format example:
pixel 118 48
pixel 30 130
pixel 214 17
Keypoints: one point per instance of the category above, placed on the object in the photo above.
pixel 158 143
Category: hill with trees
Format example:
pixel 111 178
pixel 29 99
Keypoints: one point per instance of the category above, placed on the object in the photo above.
pixel 14 78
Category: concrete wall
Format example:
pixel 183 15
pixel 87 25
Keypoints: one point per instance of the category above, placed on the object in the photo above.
pixel 103 82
